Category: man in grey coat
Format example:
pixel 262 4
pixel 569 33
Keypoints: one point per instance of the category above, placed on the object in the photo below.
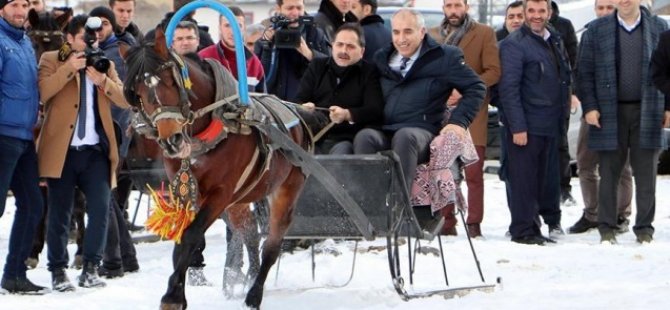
pixel 625 111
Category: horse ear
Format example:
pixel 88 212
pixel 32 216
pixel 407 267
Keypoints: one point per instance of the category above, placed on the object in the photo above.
pixel 33 18
pixel 63 16
pixel 123 49
pixel 159 44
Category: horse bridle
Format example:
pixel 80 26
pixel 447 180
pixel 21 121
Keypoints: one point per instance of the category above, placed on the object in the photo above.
pixel 182 112
pixel 44 35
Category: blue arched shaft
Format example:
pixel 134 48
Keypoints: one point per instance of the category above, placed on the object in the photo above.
pixel 240 58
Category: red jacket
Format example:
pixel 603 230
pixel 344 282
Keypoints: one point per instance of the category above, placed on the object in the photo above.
pixel 255 73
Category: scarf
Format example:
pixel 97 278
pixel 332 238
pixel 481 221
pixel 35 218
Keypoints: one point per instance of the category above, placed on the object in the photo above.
pixel 455 34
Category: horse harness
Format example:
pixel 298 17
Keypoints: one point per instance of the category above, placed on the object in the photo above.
pixel 46 36
pixel 227 115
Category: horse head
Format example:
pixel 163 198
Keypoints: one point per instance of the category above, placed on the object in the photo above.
pixel 46 31
pixel 162 86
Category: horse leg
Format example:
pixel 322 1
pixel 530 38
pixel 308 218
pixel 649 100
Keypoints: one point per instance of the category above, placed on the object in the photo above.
pixel 175 298
pixel 252 240
pixel 241 229
pixel 281 211
pixel 40 234
pixel 78 218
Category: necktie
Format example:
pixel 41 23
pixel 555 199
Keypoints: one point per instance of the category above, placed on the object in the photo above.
pixel 81 122
pixel 403 63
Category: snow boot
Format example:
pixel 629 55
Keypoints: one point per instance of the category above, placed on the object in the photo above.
pixel 89 276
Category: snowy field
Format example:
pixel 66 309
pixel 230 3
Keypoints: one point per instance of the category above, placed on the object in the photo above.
pixel 576 273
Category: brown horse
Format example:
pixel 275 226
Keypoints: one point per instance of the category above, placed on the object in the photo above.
pixel 156 85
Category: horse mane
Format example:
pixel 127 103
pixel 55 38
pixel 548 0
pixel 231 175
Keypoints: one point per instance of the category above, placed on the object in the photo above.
pixel 139 60
pixel 142 59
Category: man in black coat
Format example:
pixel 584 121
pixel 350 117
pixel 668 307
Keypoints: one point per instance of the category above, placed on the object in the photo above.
pixel 332 14
pixel 417 77
pixel 567 32
pixel 347 86
pixel 376 34
pixel 284 66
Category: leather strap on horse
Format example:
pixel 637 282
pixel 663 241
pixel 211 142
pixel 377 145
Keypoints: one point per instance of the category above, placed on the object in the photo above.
pixel 301 158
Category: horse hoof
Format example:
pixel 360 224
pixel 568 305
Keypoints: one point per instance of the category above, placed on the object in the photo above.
pixel 165 306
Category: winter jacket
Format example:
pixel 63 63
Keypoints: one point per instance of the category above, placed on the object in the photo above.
pixel 19 99
pixel 329 18
pixel 134 31
pixel 419 98
pixel 597 81
pixel 358 90
pixel 284 67
pixel 377 36
pixel 59 86
pixel 120 115
pixel 255 73
pixel 567 31
pixel 660 67
pixel 535 82
pixel 501 33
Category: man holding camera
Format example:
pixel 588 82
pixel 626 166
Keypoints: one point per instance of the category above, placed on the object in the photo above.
pixel 77 145
pixel 289 43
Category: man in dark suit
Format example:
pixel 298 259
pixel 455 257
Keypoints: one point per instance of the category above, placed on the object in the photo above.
pixel 624 110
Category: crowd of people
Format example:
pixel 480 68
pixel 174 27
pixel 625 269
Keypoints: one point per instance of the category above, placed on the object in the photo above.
pixel 383 88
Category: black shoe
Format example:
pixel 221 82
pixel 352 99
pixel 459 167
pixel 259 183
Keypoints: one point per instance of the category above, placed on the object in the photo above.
pixel 582 226
pixel 60 281
pixel 89 276
pixel 534 239
pixel 622 225
pixel 567 200
pixel 644 238
pixel 110 273
pixel 22 286
pixel 556 231
pixel 132 267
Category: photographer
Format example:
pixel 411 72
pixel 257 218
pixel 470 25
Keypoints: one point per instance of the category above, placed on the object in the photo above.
pixel 299 40
pixel 77 145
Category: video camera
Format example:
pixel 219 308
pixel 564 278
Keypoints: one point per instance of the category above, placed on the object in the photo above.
pixel 95 57
pixel 286 37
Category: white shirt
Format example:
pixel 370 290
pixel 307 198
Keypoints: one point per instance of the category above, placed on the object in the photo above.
pixel 396 61
pixel 629 28
pixel 91 137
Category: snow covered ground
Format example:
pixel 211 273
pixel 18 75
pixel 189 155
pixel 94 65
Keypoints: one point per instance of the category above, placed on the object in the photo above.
pixel 576 273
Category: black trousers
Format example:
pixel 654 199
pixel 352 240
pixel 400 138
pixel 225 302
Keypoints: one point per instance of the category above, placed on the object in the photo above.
pixel 643 162
pixel 533 183
pixel 89 170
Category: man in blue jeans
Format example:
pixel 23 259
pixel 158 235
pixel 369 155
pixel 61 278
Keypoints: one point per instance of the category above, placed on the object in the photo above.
pixel 18 160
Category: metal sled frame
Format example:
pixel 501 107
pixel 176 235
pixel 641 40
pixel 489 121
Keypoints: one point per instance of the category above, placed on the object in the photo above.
pixel 379 189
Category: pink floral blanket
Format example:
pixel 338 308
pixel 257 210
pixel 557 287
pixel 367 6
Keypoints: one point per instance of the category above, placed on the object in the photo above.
pixel 434 183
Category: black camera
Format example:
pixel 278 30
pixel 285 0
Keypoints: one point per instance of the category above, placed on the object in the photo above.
pixel 286 37
pixel 95 57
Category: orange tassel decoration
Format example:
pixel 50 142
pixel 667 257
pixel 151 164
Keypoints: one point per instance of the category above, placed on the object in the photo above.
pixel 169 218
